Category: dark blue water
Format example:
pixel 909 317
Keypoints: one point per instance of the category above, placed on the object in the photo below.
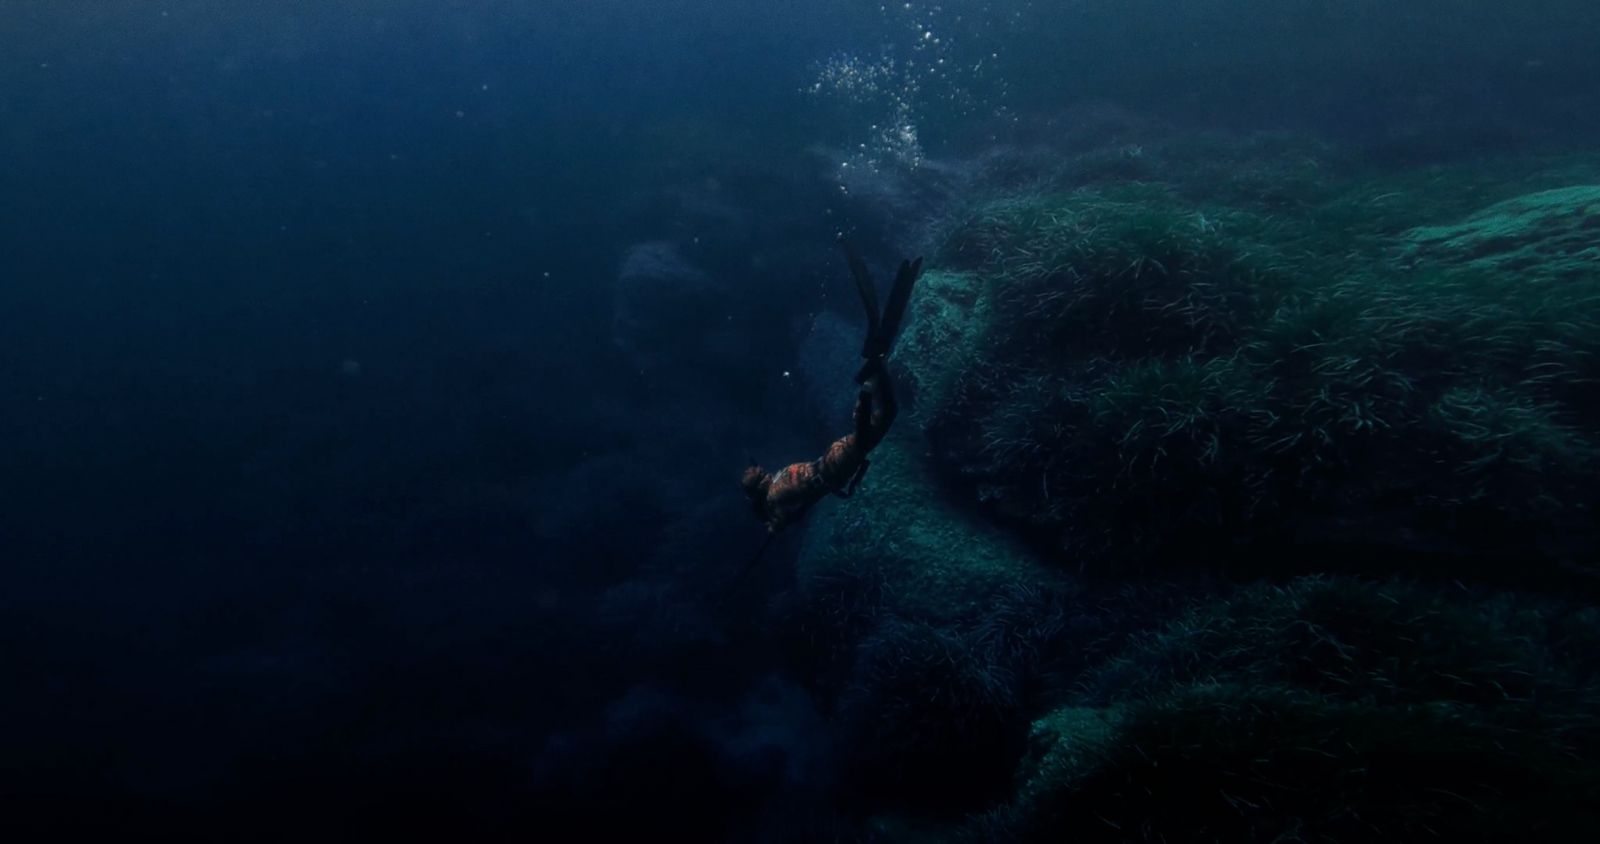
pixel 335 503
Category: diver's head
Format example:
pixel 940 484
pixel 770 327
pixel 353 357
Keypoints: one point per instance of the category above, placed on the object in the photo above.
pixel 755 482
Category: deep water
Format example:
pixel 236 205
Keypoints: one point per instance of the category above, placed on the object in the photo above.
pixel 375 379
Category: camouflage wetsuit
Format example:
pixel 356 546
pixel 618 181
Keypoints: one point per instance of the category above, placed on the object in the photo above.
pixel 783 497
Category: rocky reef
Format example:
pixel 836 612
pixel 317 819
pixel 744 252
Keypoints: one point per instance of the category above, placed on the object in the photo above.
pixel 1142 374
pixel 1247 492
pixel 1326 708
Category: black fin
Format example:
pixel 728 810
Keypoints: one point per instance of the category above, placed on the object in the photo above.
pixel 895 309
pixel 869 368
pixel 869 294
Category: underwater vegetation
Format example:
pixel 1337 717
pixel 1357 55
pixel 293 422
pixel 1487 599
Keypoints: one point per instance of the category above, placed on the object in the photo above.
pixel 1144 373
pixel 1324 709
pixel 1250 497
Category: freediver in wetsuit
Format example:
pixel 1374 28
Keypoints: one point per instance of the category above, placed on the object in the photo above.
pixel 782 497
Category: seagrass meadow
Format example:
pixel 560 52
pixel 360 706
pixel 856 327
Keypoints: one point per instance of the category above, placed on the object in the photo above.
pixel 1251 496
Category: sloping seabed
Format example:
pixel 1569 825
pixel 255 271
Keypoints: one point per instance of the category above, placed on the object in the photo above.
pixel 1250 496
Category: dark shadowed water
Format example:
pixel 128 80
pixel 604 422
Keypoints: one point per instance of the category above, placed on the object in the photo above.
pixel 375 376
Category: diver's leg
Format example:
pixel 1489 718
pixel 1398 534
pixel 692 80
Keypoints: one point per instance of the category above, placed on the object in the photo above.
pixel 884 406
pixel 862 418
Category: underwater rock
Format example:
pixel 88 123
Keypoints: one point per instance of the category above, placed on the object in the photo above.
pixel 1549 234
pixel 932 719
pixel 938 345
pixel 664 307
pixel 1266 763
pixel 1141 378
pixel 928 623
pixel 1327 709
pixel 1163 387
pixel 946 562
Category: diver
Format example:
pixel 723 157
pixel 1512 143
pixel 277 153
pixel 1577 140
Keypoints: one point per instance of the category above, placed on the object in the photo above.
pixel 781 498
